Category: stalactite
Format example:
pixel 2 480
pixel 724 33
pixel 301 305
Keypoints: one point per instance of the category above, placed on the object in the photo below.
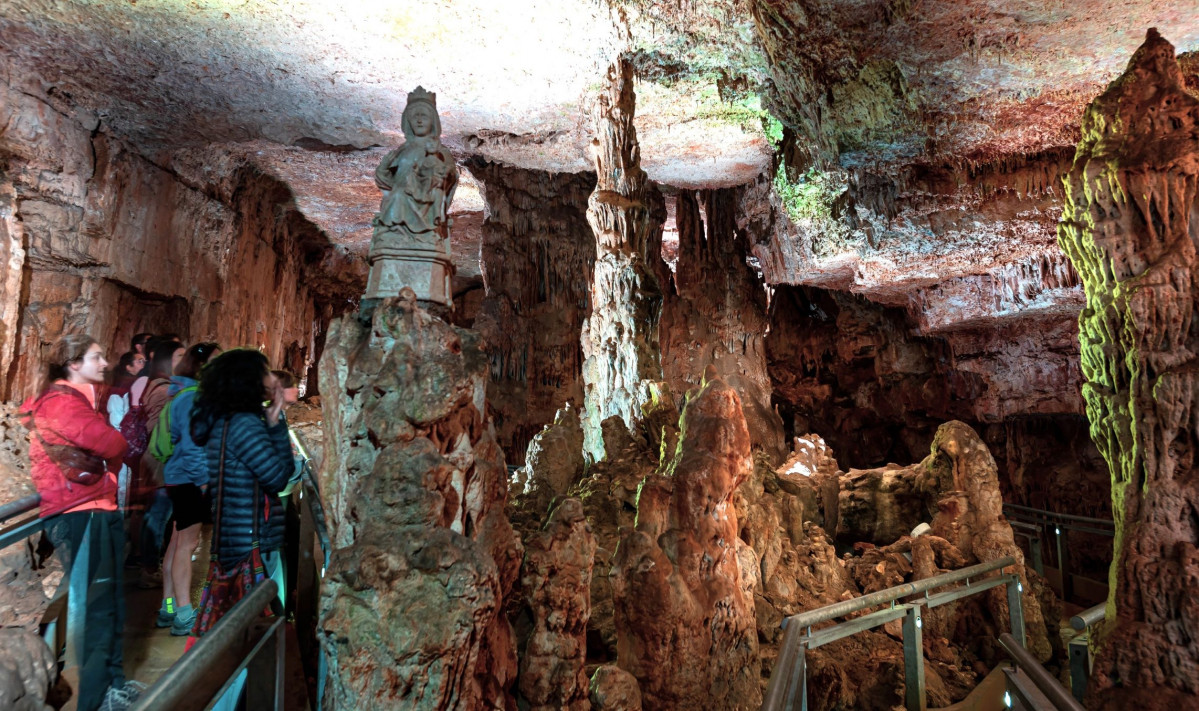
pixel 620 338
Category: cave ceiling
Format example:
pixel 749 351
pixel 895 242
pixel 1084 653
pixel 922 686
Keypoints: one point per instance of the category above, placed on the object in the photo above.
pixel 936 130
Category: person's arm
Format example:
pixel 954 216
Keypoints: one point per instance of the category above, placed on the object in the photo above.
pixel 264 450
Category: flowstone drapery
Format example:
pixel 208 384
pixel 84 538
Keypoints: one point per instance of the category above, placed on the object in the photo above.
pixel 1129 225
pixel 620 338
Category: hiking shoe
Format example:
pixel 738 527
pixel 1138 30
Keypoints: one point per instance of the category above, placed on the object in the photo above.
pixel 115 700
pixel 164 619
pixel 184 619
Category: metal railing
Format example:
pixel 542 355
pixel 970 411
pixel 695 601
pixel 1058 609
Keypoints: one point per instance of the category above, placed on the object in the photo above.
pixel 788 681
pixel 1039 527
pixel 212 667
pixel 64 611
pixel 1049 692
pixel 1079 647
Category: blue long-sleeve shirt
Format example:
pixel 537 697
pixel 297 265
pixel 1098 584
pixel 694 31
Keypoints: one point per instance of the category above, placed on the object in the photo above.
pixel 188 463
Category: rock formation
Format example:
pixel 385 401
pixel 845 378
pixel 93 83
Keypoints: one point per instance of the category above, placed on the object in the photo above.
pixel 1129 227
pixel 536 256
pixel 620 338
pixel 556 583
pixel 414 488
pixel 27 671
pixel 684 600
pixel 716 312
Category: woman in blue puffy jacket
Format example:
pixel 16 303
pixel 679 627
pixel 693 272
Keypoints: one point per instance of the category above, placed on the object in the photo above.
pixel 186 477
pixel 229 416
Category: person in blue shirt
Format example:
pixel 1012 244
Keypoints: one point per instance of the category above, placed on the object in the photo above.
pixel 186 476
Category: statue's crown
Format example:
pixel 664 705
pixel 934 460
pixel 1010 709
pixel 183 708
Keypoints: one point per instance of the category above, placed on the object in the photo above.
pixel 419 94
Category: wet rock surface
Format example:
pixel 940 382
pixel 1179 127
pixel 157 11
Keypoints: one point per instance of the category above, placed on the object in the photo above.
pixel 1128 226
pixel 414 486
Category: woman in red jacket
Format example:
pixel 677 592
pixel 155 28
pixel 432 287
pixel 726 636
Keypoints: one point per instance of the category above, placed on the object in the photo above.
pixel 74 458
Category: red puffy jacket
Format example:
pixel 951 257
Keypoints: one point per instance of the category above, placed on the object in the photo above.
pixel 64 416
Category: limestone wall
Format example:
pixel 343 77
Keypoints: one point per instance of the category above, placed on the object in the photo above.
pixel 96 238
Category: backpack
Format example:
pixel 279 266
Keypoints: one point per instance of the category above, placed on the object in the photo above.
pixel 133 429
pixel 160 446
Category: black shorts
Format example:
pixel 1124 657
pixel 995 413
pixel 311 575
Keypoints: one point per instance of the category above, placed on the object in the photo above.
pixel 191 505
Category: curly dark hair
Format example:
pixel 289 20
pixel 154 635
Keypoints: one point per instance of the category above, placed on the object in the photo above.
pixel 230 383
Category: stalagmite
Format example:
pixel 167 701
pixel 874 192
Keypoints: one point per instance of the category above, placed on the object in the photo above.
pixel 1129 226
pixel 620 338
pixel 684 604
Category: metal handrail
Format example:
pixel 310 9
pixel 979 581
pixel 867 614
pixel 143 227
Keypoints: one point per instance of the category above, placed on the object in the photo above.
pixel 20 506
pixel 841 609
pixel 1053 690
pixel 787 688
pixel 1088 617
pixel 198 676
pixel 1053 515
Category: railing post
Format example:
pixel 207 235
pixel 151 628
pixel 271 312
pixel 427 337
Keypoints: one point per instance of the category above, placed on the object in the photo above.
pixel 1080 665
pixel 1034 549
pixel 1059 535
pixel 913 658
pixel 1015 608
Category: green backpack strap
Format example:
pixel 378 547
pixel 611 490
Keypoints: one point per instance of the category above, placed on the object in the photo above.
pixel 161 447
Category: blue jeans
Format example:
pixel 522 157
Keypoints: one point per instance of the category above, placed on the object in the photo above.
pixel 154 528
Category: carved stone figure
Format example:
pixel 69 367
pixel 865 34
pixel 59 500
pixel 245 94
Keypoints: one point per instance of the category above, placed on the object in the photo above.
pixel 411 243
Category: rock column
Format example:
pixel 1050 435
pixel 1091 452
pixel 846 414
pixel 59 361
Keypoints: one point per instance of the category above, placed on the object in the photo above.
pixel 414 487
pixel 1129 225
pixel 620 338
pixel 716 314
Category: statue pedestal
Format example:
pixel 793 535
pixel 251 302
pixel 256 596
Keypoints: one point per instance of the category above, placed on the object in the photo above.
pixel 426 271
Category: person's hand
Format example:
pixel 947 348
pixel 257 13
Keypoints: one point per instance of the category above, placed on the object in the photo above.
pixel 277 401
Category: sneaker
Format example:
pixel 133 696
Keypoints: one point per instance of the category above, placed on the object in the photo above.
pixel 114 700
pixel 164 619
pixel 122 697
pixel 185 617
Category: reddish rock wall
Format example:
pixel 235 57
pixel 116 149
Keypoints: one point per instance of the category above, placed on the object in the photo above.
pixel 205 245
pixel 1129 226
pixel 863 377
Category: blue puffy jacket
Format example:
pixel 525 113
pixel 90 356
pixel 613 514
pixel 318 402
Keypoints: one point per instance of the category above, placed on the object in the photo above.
pixel 188 463
pixel 253 451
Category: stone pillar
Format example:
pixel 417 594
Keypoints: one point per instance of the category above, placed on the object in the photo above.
pixel 716 313
pixel 556 580
pixel 620 338
pixel 414 487
pixel 1129 225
